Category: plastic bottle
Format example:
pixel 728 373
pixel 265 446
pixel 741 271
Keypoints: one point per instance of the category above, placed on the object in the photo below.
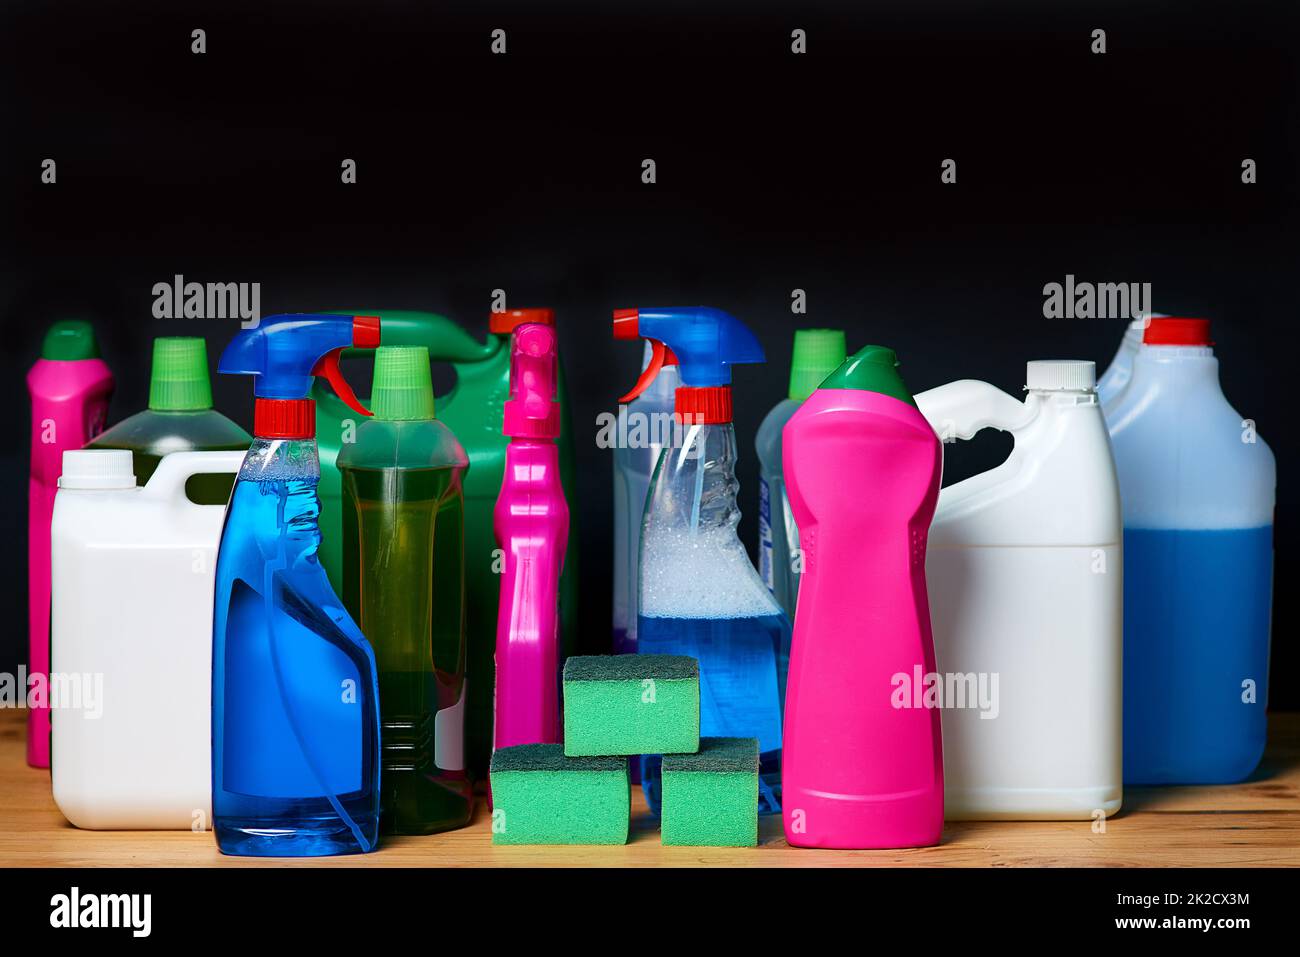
pixel 69 386
pixel 817 353
pixel 131 639
pixel 1120 370
pixel 648 429
pixel 1198 485
pixel 532 527
pixel 404 583
pixel 180 418
pixel 473 411
pixel 699 593
pixel 863 765
pixel 1026 587
pixel 1116 378
pixel 295 703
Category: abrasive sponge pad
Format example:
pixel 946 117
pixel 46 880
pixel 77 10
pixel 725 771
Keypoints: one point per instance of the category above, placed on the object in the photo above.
pixel 710 799
pixel 539 796
pixel 631 704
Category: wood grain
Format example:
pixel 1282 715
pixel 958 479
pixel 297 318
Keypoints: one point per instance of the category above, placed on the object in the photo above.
pixel 1256 823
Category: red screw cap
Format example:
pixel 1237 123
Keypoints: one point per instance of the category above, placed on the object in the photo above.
pixel 284 418
pixel 1177 331
pixel 504 323
pixel 705 405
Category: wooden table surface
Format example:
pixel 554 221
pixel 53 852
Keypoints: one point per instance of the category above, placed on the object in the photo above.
pixel 1252 824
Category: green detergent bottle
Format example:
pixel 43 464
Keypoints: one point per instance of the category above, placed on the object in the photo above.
pixel 180 418
pixel 473 410
pixel 404 584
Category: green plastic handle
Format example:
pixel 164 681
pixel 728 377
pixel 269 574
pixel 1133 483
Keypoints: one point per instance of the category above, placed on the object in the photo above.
pixel 445 339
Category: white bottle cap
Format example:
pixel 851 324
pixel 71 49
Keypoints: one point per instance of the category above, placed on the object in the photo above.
pixel 97 468
pixel 1061 375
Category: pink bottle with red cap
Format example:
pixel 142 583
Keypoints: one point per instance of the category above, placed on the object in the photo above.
pixel 70 387
pixel 863 755
pixel 532 529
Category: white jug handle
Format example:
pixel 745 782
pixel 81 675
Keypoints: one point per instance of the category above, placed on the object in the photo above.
pixel 168 480
pixel 960 409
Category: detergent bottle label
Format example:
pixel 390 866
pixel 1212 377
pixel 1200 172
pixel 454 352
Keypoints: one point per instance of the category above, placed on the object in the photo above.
pixel 765 546
pixel 287 688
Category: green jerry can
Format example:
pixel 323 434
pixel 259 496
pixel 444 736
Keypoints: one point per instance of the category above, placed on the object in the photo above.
pixel 473 410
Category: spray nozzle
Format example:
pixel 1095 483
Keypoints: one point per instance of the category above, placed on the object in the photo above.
pixel 531 411
pixel 285 351
pixel 705 343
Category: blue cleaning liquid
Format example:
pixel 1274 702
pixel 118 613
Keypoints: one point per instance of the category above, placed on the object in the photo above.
pixel 1196 631
pixel 295 713
pixel 743 667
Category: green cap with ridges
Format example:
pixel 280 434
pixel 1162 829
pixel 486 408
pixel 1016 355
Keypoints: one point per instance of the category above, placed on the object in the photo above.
pixel 69 340
pixel 403 388
pixel 871 369
pixel 817 353
pixel 179 381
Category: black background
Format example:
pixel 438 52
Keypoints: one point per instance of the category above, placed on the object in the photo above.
pixel 775 172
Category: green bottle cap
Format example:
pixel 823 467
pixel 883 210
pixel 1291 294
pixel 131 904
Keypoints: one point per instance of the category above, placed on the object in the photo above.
pixel 403 388
pixel 179 381
pixel 69 340
pixel 817 353
pixel 871 369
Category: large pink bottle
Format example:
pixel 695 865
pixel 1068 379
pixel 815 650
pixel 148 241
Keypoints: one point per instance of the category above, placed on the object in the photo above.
pixel 532 528
pixel 863 760
pixel 69 387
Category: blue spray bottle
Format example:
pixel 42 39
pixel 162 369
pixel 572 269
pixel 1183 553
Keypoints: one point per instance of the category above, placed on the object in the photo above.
pixel 295 700
pixel 699 593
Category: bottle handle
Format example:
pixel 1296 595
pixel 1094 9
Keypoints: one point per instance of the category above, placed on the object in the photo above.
pixel 446 339
pixel 175 469
pixel 960 409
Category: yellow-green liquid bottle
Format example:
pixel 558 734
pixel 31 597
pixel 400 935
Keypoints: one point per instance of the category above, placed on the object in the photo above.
pixel 403 535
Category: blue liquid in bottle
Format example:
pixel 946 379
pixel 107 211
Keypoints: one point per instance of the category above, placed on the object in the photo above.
pixel 743 667
pixel 1196 637
pixel 295 715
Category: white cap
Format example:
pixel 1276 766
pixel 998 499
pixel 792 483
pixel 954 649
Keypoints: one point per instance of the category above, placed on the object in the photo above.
pixel 97 468
pixel 1061 375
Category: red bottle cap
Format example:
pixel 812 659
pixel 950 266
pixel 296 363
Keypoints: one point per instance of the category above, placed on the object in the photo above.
pixel 504 323
pixel 1177 331
pixel 284 419
pixel 703 405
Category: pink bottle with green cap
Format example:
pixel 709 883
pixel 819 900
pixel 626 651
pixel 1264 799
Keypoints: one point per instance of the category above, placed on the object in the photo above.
pixel 70 386
pixel 532 529
pixel 863 760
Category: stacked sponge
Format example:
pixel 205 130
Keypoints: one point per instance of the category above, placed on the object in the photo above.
pixel 615 706
pixel 631 704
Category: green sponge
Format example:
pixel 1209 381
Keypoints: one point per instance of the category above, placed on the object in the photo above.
pixel 631 704
pixel 541 797
pixel 710 799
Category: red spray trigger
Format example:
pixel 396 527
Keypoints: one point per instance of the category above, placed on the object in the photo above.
pixel 660 356
pixel 327 367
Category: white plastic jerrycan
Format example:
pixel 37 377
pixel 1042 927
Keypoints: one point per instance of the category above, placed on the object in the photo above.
pixel 131 641
pixel 1026 598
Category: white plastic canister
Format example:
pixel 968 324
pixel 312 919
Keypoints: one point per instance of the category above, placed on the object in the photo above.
pixel 131 641
pixel 1026 596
